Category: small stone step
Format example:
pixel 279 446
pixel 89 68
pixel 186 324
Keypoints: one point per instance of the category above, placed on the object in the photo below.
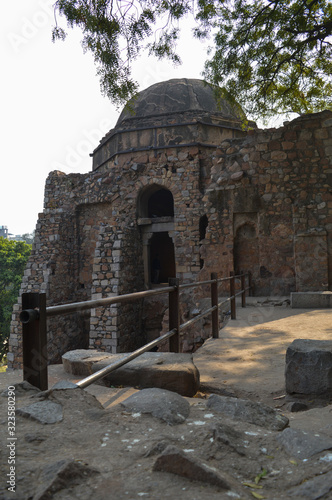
pixel 165 370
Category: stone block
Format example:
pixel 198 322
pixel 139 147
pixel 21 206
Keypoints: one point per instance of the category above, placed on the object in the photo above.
pixel 165 370
pixel 311 300
pixel 309 367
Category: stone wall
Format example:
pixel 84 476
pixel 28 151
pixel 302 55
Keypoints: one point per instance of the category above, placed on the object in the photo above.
pixel 264 199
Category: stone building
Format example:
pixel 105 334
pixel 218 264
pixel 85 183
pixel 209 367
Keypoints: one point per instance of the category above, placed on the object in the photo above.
pixel 181 180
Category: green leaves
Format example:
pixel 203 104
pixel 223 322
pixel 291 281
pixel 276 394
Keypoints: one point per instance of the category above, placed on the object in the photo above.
pixel 287 44
pixel 116 32
pixel 13 259
pixel 272 56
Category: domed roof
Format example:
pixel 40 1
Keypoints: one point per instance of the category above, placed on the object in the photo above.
pixel 190 96
pixel 176 113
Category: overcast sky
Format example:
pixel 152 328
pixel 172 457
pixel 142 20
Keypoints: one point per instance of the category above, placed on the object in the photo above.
pixel 53 114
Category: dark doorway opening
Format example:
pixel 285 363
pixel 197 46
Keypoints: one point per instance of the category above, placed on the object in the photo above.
pixel 161 204
pixel 246 256
pixel 162 252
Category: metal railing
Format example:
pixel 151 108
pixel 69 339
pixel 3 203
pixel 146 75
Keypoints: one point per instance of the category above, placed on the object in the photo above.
pixel 34 315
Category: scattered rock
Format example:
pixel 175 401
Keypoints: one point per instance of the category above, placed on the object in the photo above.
pixel 64 384
pixel 21 389
pixel 248 411
pixel 176 461
pixel 225 434
pixel 165 405
pixel 61 475
pixel 314 488
pixel 34 438
pixel 295 406
pixel 45 412
pixel 300 444
pixel 157 449
pixel 309 367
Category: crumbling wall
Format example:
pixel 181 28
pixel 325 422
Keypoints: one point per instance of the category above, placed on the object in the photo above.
pixel 265 200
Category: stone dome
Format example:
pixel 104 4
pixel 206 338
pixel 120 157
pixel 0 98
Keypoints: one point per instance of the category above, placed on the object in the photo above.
pixel 190 96
pixel 176 113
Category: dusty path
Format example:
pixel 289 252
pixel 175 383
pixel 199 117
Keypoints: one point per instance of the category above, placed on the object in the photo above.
pixel 249 356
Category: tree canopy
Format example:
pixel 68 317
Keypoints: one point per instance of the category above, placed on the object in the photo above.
pixel 13 259
pixel 271 56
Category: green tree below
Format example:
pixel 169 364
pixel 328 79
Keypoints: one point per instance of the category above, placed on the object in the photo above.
pixel 13 258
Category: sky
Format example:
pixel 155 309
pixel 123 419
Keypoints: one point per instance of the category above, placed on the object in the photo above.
pixel 52 112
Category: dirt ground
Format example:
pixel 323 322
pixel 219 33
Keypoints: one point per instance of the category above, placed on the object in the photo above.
pixel 117 450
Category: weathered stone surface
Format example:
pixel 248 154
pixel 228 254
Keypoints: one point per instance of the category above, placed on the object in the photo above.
pixel 309 367
pixel 45 412
pixel 64 384
pixel 295 406
pixel 314 488
pixel 226 435
pixel 176 461
pixel 22 388
pixel 300 444
pixel 311 300
pixel 165 405
pixel 248 411
pixel 172 371
pixel 61 475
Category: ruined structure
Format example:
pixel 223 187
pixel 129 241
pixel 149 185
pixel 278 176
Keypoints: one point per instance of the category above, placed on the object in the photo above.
pixel 179 179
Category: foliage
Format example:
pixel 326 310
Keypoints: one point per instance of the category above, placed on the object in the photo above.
pixel 270 55
pixel 114 32
pixel 28 237
pixel 13 258
pixel 273 55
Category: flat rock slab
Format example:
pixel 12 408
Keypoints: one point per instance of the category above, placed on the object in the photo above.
pixel 165 405
pixel 248 411
pixel 45 412
pixel 313 489
pixel 165 370
pixel 309 367
pixel 300 444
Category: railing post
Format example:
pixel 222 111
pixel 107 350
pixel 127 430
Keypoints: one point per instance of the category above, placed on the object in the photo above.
pixel 34 339
pixel 214 302
pixel 232 294
pixel 250 283
pixel 174 315
pixel 243 289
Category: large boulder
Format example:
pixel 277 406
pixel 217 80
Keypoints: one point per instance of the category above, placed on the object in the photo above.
pixel 309 367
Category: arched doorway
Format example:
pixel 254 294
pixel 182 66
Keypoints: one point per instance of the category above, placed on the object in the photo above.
pixel 155 201
pixel 155 212
pixel 161 258
pixel 160 204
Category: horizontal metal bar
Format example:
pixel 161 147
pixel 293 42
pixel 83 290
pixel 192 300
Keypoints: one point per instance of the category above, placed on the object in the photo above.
pixel 224 301
pixel 196 318
pixel 220 280
pixel 198 283
pixel 129 357
pixel 238 293
pixel 91 304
